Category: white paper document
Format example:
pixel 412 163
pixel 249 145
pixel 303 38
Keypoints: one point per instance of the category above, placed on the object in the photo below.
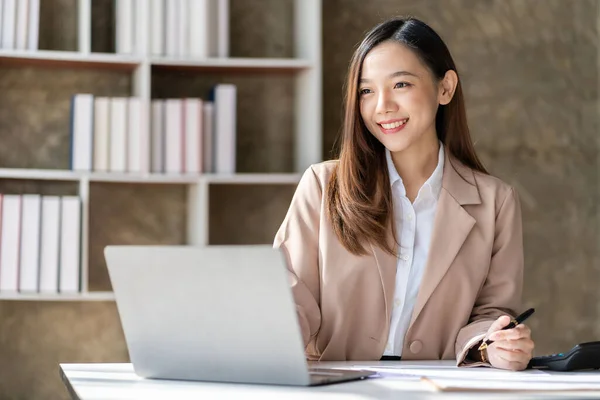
pixel 447 378
pixel 459 385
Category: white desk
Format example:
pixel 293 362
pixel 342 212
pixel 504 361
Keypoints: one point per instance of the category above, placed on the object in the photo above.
pixel 118 381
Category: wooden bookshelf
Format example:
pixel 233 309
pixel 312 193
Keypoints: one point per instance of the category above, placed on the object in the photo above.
pixel 304 68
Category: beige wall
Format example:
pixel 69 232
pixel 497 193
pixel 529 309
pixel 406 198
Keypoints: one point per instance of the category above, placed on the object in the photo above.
pixel 529 69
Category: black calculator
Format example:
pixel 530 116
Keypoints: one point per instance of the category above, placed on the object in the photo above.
pixel 581 357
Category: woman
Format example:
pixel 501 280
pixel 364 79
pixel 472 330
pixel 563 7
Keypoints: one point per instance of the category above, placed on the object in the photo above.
pixel 405 246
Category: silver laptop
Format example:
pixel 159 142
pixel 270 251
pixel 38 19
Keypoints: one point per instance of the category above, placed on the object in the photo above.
pixel 215 313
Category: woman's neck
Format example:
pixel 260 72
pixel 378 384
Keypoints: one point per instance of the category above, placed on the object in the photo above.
pixel 416 164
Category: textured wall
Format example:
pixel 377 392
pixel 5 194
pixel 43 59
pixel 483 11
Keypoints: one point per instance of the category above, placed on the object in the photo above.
pixel 36 336
pixel 530 75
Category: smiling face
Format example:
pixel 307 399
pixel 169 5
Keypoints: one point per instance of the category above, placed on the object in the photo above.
pixel 399 97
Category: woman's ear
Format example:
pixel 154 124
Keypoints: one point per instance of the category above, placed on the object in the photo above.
pixel 447 87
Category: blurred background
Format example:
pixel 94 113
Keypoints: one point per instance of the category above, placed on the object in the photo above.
pixel 530 74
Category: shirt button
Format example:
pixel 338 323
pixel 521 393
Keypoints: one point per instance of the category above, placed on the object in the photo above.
pixel 416 347
pixel 388 348
pixel 397 302
pixel 410 217
pixel 405 258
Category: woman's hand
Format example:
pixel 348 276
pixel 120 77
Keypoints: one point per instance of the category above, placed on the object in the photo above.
pixel 512 348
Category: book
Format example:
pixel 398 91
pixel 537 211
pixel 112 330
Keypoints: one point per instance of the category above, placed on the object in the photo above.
pixel 141 20
pixel 208 133
pixel 223 29
pixel 171 28
pixel 193 135
pixel 183 28
pixel 218 28
pixel 199 29
pixel 9 19
pixel 101 133
pixel 124 25
pixel 118 134
pixel 157 22
pixel 21 24
pixel 50 244
pixel 30 243
pixel 224 96
pixel 33 25
pixel 158 136
pixel 70 245
pixel 10 243
pixel 134 135
pixel 174 119
pixel 82 126
pixel 1 22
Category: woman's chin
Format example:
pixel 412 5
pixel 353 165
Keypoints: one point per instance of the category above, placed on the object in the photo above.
pixel 396 145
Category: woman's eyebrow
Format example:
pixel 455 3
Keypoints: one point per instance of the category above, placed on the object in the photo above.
pixel 392 75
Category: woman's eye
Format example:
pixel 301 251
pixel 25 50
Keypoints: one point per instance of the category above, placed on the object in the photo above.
pixel 364 91
pixel 401 85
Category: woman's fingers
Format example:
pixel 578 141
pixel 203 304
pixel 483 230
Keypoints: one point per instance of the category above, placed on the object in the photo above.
pixel 523 345
pixel 518 332
pixel 508 359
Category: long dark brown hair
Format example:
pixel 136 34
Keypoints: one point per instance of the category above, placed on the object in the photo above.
pixel 359 198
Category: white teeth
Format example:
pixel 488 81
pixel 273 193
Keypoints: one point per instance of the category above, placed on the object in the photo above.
pixel 394 124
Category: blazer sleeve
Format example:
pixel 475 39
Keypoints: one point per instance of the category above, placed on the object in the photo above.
pixel 298 239
pixel 502 290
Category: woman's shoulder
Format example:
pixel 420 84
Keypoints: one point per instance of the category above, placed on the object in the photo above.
pixel 321 172
pixel 491 186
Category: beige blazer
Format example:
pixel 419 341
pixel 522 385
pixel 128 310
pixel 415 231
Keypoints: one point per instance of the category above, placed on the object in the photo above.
pixel 473 275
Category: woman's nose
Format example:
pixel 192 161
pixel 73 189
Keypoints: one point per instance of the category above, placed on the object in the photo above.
pixel 386 103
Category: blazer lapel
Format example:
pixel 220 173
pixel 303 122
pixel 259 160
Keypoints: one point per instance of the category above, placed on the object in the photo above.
pixel 452 225
pixel 386 264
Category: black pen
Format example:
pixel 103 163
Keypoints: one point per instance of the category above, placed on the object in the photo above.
pixel 513 322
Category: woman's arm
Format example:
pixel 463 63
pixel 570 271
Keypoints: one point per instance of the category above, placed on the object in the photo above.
pixel 501 292
pixel 298 238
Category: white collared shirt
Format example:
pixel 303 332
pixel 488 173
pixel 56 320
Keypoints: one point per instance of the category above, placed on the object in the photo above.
pixel 414 225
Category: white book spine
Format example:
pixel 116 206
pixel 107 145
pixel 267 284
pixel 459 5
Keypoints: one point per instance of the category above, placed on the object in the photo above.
pixel 134 135
pixel 124 26
pixel 173 136
pixel 158 136
pixel 171 27
pixel 11 235
pixel 1 22
pixel 193 135
pixel 22 28
pixel 223 16
pixel 30 243
pixel 183 48
pixel 145 137
pixel 50 244
pixel 33 25
pixel 142 18
pixel 208 134
pixel 9 19
pixel 82 132
pixel 118 134
pixel 70 240
pixel 212 27
pixel 101 133
pixel 225 128
pixel 157 25
pixel 199 25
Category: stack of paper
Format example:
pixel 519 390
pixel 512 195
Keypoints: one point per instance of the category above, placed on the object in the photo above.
pixel 454 379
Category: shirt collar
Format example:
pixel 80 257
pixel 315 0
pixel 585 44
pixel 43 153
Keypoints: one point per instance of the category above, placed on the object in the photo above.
pixel 434 182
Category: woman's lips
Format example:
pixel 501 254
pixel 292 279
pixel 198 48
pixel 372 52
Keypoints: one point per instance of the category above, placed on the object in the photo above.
pixel 392 126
